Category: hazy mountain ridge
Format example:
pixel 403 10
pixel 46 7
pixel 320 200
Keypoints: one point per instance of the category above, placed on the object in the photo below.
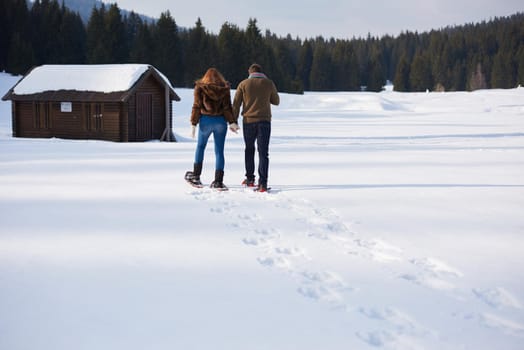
pixel 85 7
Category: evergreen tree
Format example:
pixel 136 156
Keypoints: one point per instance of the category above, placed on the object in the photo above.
pixel 439 60
pixel 7 33
pixel 142 45
pixel 286 67
pixel 376 75
pixel 386 45
pixel 502 73
pixel 260 52
pixel 97 50
pixel 321 69
pixel 46 19
pixel 20 55
pixel 458 74
pixel 345 65
pixel 305 62
pixel 115 36
pixel 167 51
pixel 273 69
pixel 401 81
pixel 455 58
pixel 405 47
pixel 353 71
pixel 196 53
pixel 232 54
pixel 72 38
pixel 256 48
pixel 420 73
pixel 520 66
pixel 478 79
pixel 443 73
pixel 16 50
pixel 132 26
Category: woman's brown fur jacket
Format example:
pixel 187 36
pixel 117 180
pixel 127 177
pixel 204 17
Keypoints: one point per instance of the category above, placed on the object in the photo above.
pixel 212 100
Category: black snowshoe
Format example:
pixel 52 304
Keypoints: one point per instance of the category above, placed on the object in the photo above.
pixel 193 180
pixel 218 183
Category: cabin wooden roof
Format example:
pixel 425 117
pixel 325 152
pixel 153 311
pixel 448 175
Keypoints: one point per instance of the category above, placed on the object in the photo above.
pixel 101 83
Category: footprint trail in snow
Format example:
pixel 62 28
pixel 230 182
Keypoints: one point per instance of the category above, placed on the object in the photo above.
pixel 307 243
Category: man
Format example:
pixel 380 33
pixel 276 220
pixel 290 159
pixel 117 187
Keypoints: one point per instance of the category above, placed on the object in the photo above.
pixel 256 94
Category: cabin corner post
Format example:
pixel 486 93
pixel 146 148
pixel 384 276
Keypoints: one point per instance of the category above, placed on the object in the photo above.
pixel 166 136
pixel 171 115
pixel 124 122
pixel 13 119
pixel 168 120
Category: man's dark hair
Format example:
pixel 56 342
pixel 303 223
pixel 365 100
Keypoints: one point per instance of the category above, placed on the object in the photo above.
pixel 255 68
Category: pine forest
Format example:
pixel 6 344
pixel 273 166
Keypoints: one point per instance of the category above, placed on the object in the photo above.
pixel 483 55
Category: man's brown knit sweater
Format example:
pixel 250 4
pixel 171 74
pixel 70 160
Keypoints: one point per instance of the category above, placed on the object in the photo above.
pixel 256 95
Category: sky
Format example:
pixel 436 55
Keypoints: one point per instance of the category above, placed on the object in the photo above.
pixel 341 19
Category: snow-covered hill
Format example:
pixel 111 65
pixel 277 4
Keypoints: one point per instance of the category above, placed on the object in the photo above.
pixel 395 223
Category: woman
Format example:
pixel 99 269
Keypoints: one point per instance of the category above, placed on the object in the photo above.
pixel 212 110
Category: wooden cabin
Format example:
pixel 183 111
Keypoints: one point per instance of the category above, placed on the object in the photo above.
pixel 115 102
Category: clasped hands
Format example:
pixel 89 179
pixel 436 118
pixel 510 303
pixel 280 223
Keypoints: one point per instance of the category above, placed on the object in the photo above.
pixel 233 127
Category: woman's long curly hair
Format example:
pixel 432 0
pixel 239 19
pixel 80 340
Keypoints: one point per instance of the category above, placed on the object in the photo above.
pixel 213 76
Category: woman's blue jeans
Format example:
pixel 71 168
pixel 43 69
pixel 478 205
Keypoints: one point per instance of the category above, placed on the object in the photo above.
pixel 217 126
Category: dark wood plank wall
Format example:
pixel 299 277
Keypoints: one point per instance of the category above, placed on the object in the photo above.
pixel 25 121
pixel 67 125
pixel 131 118
pixel 149 86
pixel 124 122
pixel 80 123
pixel 112 121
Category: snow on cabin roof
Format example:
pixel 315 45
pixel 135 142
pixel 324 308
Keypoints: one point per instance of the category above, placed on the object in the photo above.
pixel 104 78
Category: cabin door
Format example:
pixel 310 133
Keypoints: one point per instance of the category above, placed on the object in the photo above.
pixel 144 117
pixel 94 118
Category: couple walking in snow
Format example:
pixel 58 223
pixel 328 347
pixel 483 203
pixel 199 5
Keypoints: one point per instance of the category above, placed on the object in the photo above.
pixel 213 111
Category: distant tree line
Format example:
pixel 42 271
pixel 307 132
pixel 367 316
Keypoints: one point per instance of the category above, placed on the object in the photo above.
pixel 468 57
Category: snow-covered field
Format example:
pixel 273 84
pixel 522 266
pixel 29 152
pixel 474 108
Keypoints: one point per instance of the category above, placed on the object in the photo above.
pixel 396 222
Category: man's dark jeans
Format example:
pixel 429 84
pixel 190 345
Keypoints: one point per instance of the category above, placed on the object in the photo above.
pixel 258 132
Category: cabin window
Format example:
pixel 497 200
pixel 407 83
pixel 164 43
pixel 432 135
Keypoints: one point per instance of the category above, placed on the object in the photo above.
pixel 66 107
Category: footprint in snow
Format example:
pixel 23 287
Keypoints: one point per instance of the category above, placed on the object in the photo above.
pixel 205 194
pixel 498 298
pixel 256 241
pixel 322 222
pixel 328 279
pixel 436 267
pixel 375 249
pixel 498 323
pixel 433 274
pixel 322 294
pixel 398 328
pixel 246 221
pixel 501 324
pixel 225 206
pixel 325 286
pixel 292 252
pixel 266 231
pixel 278 262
